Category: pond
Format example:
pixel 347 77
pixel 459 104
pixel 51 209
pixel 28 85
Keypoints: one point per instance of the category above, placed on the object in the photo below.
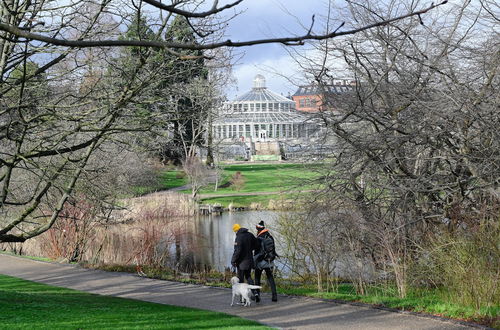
pixel 213 243
pixel 215 237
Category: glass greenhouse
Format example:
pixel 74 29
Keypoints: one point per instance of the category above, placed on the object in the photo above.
pixel 261 115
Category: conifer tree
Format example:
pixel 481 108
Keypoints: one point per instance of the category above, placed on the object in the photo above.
pixel 185 69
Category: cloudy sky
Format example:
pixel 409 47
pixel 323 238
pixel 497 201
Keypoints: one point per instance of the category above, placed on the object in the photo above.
pixel 265 19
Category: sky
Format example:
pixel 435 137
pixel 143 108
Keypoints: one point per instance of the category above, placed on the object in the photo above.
pixel 265 19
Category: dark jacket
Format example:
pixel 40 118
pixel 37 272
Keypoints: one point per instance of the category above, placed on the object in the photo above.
pixel 244 245
pixel 259 260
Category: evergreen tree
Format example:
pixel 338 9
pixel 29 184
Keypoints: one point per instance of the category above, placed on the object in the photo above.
pixel 184 69
pixel 139 30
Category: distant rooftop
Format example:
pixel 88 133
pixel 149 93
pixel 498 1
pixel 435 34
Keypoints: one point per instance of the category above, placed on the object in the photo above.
pixel 338 88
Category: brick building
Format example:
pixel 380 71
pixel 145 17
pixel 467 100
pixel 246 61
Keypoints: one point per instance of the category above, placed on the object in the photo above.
pixel 310 98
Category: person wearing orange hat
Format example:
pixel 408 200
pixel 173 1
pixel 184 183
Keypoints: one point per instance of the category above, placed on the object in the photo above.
pixel 242 259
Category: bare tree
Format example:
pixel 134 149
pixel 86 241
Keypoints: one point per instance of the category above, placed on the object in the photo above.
pixel 199 175
pixel 417 136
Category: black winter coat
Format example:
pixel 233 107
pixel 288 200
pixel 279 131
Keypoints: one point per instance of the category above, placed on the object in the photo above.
pixel 259 260
pixel 244 245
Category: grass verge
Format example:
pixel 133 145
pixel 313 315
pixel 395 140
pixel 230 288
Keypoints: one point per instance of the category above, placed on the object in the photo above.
pixel 25 256
pixel 30 305
pixel 421 300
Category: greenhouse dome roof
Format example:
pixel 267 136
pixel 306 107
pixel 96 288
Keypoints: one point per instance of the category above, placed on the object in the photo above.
pixel 260 93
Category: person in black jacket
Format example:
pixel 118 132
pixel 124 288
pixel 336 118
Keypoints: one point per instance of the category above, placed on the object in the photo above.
pixel 264 260
pixel 244 245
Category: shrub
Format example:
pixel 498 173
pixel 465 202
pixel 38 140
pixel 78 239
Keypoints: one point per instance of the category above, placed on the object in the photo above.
pixel 237 181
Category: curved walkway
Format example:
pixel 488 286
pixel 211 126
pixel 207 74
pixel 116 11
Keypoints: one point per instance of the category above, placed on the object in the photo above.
pixel 288 313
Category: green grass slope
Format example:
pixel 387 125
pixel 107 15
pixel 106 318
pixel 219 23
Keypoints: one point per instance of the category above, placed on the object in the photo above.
pixel 29 305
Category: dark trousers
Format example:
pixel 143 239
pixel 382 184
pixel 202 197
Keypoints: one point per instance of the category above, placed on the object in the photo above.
pixel 270 279
pixel 245 275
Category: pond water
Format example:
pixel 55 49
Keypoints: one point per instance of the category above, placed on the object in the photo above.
pixel 215 237
pixel 212 243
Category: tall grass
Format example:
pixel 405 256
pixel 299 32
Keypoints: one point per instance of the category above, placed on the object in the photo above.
pixel 148 230
pixel 467 262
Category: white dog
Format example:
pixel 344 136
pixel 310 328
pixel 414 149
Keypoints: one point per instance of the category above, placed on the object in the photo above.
pixel 242 290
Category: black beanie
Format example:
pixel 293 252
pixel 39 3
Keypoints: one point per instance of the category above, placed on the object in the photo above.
pixel 260 226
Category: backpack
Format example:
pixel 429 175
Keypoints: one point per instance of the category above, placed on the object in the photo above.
pixel 268 248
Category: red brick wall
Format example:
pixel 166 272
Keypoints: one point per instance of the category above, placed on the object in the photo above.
pixel 312 103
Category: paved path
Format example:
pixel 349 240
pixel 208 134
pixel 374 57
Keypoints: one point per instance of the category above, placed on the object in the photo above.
pixel 288 313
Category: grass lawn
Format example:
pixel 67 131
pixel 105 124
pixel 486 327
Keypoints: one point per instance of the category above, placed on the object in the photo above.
pixel 166 180
pixel 257 178
pixel 268 177
pixel 30 305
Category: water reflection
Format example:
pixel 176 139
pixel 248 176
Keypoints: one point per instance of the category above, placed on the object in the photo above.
pixel 214 236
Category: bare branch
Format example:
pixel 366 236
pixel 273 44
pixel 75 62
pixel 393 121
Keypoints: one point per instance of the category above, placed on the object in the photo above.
pixel 186 13
pixel 228 43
